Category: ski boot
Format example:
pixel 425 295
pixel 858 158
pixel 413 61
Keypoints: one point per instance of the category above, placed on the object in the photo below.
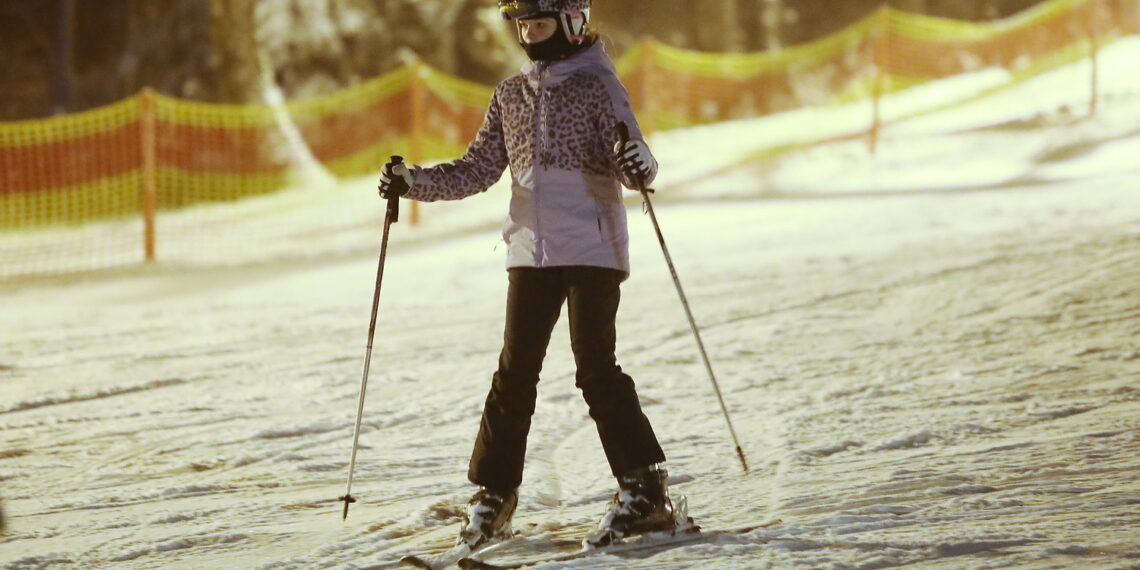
pixel 641 505
pixel 488 518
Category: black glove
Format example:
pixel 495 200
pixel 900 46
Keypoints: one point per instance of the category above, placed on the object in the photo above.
pixel 395 180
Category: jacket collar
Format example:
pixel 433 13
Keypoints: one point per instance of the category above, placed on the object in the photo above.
pixel 553 72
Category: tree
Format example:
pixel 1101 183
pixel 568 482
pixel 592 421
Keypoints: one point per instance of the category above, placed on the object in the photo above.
pixel 716 26
pixel 234 50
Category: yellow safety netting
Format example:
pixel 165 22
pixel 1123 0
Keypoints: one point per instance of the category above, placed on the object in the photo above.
pixel 70 169
pixel 678 88
pixel 85 191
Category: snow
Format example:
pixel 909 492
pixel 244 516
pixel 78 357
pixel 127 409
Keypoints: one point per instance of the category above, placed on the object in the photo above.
pixel 929 356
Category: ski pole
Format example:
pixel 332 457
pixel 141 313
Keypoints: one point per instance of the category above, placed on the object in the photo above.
pixel 623 132
pixel 391 216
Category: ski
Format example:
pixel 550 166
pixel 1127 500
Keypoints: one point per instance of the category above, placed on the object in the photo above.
pixel 638 543
pixel 454 555
pixel 439 561
pixel 583 549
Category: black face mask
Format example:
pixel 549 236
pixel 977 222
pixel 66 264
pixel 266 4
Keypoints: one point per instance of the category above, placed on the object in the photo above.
pixel 554 48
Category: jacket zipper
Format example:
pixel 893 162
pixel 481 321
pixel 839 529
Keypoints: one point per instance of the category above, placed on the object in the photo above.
pixel 539 155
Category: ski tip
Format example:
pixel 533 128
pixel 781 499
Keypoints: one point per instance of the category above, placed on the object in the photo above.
pixel 415 562
pixel 434 562
pixel 475 564
pixel 600 539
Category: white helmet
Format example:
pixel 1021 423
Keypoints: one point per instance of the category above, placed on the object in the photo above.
pixel 573 16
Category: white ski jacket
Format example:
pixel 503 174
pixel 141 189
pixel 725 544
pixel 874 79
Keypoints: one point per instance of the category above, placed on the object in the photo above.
pixel 555 125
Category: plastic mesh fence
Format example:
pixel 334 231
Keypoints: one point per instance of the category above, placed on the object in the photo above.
pixel 75 190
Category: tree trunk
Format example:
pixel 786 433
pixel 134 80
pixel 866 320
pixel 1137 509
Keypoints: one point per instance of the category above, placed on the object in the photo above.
pixel 771 17
pixel 65 57
pixel 716 25
pixel 912 6
pixel 234 50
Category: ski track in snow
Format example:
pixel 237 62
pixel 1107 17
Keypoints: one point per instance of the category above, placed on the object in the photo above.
pixel 954 394
pixel 923 379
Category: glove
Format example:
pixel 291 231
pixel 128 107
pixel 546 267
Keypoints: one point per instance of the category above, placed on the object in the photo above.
pixel 635 160
pixel 395 180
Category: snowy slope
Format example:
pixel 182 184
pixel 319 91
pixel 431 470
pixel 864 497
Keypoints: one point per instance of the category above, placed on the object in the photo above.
pixel 938 372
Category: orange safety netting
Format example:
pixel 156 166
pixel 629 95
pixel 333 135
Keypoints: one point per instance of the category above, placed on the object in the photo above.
pixel 136 179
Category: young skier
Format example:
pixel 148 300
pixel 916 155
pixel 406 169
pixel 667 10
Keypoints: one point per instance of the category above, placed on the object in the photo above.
pixel 555 124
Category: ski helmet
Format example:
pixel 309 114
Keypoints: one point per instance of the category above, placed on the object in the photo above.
pixel 573 17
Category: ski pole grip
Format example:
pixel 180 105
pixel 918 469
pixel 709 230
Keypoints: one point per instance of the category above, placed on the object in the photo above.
pixel 623 131
pixel 393 212
pixel 623 135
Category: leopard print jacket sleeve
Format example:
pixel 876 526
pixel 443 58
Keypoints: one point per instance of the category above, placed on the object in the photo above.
pixel 480 167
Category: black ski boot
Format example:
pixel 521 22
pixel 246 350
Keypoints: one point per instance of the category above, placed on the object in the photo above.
pixel 488 517
pixel 641 505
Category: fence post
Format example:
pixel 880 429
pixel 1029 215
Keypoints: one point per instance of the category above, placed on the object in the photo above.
pixel 647 121
pixel 148 192
pixel 416 150
pixel 1094 51
pixel 882 44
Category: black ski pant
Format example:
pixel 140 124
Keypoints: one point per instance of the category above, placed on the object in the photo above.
pixel 534 300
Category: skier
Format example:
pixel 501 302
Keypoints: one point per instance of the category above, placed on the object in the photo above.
pixel 555 124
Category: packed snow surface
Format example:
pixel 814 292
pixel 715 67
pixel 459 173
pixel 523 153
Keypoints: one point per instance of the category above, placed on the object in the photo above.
pixel 929 355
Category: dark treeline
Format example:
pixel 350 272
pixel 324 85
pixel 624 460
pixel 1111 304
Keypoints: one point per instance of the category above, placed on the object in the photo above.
pixel 70 55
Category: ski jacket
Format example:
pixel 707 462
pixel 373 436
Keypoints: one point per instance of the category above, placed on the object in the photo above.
pixel 555 125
